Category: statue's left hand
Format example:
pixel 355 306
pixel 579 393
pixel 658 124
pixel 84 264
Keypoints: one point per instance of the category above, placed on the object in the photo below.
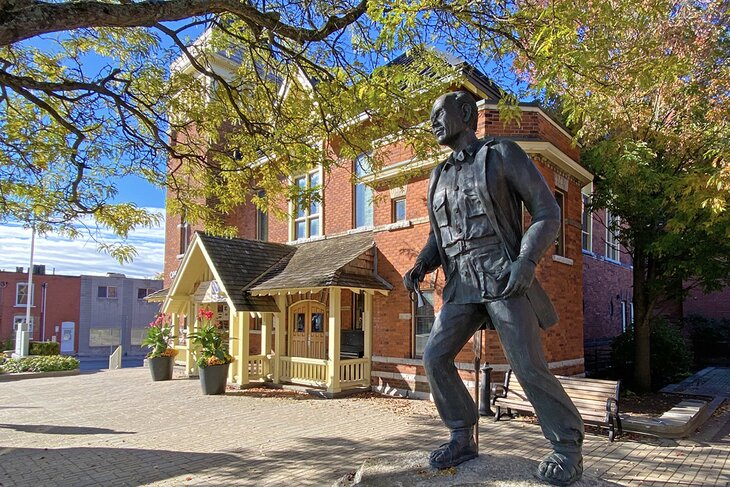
pixel 521 273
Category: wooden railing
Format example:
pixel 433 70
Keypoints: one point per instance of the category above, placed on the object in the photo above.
pixel 258 367
pixel 307 371
pixel 354 373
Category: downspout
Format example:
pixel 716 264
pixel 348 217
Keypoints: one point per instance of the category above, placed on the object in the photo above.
pixel 44 287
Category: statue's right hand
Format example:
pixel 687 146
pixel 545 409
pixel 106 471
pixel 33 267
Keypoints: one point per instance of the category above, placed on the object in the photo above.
pixel 414 276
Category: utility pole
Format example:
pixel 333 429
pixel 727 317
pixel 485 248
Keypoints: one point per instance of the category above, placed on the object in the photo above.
pixel 21 336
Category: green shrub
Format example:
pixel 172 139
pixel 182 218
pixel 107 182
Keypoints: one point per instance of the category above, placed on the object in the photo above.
pixel 40 363
pixel 44 348
pixel 710 340
pixel 8 344
pixel 671 358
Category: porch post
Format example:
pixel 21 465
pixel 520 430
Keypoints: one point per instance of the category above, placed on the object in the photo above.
pixel 265 334
pixel 243 325
pixel 279 335
pixel 368 333
pixel 190 366
pixel 335 325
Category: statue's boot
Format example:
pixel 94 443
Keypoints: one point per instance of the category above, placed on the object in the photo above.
pixel 460 448
pixel 561 468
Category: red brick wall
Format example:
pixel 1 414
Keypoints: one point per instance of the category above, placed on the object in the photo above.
pixel 62 304
pixel 714 305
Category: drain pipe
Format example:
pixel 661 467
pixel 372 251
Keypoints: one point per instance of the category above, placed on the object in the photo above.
pixel 44 288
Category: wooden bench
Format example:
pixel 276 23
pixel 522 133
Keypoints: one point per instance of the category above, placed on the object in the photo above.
pixel 595 399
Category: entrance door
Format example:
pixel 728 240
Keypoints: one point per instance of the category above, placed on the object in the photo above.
pixel 306 330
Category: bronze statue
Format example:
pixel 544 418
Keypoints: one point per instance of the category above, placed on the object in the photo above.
pixel 474 207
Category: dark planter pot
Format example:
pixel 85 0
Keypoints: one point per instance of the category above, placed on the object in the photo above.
pixel 213 379
pixel 161 367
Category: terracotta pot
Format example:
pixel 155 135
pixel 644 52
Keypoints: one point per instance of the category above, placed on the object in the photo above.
pixel 213 379
pixel 161 367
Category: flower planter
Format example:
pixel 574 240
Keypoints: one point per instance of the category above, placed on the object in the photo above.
pixel 213 379
pixel 161 367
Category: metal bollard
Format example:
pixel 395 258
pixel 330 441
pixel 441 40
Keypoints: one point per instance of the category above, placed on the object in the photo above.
pixel 484 391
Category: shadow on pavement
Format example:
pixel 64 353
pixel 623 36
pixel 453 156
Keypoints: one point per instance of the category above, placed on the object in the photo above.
pixel 64 430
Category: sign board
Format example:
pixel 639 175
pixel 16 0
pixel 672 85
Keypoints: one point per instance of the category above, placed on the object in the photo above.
pixel 209 292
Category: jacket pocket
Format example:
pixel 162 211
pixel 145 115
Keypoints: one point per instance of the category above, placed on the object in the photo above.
pixel 473 203
pixel 439 209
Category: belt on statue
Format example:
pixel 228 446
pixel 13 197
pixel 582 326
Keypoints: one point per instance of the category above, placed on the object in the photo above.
pixel 463 246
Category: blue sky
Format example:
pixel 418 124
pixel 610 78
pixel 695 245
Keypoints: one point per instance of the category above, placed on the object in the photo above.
pixel 76 257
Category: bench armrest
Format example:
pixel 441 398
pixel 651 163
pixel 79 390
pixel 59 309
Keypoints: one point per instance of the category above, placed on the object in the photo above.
pixel 612 406
pixel 498 390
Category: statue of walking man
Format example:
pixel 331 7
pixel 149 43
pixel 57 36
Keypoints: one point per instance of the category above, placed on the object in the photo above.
pixel 475 210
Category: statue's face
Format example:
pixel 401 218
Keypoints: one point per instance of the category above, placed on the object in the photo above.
pixel 446 120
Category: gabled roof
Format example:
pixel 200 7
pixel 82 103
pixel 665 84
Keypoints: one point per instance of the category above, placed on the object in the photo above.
pixel 239 262
pixel 323 263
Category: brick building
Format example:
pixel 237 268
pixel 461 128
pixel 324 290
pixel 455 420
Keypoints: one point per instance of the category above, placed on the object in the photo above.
pixel 378 325
pixel 54 302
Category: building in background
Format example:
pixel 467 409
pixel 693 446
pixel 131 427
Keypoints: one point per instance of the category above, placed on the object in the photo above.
pixel 54 301
pixel 113 312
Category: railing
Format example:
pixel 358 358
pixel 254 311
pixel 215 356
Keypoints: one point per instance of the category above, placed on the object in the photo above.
pixel 258 367
pixel 354 372
pixel 115 359
pixel 307 371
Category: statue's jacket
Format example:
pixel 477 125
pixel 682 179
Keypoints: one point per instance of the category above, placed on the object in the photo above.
pixel 511 179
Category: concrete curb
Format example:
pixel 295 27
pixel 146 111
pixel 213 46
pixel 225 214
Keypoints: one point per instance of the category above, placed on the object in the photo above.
pixel 36 375
pixel 678 422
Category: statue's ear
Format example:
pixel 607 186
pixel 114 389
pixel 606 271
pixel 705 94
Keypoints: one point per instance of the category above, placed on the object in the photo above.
pixel 466 113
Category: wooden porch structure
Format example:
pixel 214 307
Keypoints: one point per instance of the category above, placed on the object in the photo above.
pixel 295 291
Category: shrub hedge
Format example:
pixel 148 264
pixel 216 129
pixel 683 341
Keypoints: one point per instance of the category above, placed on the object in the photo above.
pixel 44 348
pixel 39 363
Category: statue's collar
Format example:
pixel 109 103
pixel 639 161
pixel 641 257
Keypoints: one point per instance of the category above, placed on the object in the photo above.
pixel 459 157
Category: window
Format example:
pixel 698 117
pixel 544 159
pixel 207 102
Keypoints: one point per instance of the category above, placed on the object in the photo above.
pixel 18 319
pixel 104 337
pixel 586 221
pixel 142 292
pixel 184 228
pixel 560 240
pixel 363 193
pixel 399 210
pixel 612 244
pixel 109 292
pixel 423 322
pixel 21 295
pixel 623 317
pixel 308 215
pixel 137 335
pixel 262 221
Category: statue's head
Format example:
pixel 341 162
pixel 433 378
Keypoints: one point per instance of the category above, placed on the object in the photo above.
pixel 452 114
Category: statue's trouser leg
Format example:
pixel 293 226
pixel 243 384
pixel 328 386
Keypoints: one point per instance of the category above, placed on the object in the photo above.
pixel 518 331
pixel 455 324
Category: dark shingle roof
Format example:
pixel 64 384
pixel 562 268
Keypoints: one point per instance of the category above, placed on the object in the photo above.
pixel 321 263
pixel 239 263
pixel 249 265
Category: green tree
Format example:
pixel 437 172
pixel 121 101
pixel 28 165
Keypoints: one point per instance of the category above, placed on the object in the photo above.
pixel 646 85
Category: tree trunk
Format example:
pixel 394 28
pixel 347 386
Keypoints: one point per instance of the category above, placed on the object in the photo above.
pixel 642 324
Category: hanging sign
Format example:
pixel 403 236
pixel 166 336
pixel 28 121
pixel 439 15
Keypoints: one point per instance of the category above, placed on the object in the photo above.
pixel 209 292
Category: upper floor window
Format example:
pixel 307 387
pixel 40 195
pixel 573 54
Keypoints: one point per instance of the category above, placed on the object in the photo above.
pixel 109 292
pixel 21 295
pixel 423 320
pixel 586 223
pixel 399 210
pixel 262 221
pixel 308 215
pixel 560 240
pixel 184 228
pixel 363 193
pixel 612 243
pixel 142 292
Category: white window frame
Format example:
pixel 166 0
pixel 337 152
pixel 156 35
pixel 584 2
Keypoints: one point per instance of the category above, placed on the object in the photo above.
pixel 294 217
pixel 24 284
pixel 613 247
pixel 393 212
pixel 106 296
pixel 624 324
pixel 586 234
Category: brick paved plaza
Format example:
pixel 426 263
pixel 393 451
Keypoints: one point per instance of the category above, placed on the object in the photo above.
pixel 119 428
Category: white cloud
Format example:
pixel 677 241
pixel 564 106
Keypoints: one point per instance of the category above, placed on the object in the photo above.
pixel 76 257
